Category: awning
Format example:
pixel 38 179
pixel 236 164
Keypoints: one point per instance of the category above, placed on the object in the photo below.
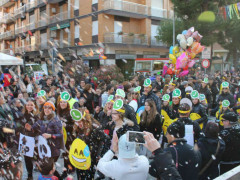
pixel 9 60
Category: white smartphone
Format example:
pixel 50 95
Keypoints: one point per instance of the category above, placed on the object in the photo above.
pixel 135 136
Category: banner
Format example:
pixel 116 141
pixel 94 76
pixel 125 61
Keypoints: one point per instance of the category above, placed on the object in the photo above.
pixel 26 145
pixel 43 148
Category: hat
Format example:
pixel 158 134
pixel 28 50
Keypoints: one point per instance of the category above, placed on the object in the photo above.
pixel 176 129
pixel 126 149
pixel 189 88
pixel 194 94
pixel 225 85
pixel 110 98
pixel 202 97
pixel 147 82
pixel 184 83
pixel 184 108
pixel 137 89
pixel 225 103
pixel 166 97
pixel 41 93
pixel 118 104
pixel 205 80
pixel 49 103
pixel 120 93
pixel 176 93
pixel 230 116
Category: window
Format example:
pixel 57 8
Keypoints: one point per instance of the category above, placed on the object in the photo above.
pixel 94 28
pixel 94 1
pixel 76 35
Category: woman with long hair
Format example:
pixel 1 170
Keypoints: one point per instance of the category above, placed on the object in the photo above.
pixel 30 116
pixel 89 131
pixel 63 113
pixel 50 127
pixel 105 116
pixel 89 96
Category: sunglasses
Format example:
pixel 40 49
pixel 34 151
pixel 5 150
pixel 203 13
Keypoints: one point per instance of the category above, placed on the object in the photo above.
pixel 47 107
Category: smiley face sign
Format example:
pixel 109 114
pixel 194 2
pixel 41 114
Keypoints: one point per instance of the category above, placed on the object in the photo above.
pixel 166 97
pixel 176 93
pixel 65 96
pixel 41 93
pixel 137 89
pixel 76 114
pixel 79 155
pixel 225 84
pixel 118 104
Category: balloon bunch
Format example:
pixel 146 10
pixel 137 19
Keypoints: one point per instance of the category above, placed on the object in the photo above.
pixel 181 58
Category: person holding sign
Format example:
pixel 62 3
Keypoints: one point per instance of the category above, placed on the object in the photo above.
pixel 198 113
pixel 91 141
pixel 50 127
pixel 63 113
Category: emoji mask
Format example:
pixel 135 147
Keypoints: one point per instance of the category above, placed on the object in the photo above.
pixel 79 155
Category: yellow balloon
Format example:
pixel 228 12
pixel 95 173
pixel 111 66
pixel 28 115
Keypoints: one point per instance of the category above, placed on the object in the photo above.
pixel 175 50
pixel 172 59
pixel 79 155
pixel 64 135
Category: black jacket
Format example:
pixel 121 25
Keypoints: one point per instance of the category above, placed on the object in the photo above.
pixel 131 115
pixel 199 109
pixel 104 120
pixel 231 136
pixel 152 96
pixel 163 167
pixel 208 148
pixel 214 90
pixel 155 127
pixel 174 112
pixel 207 93
pixel 187 160
pixel 196 128
pixel 228 97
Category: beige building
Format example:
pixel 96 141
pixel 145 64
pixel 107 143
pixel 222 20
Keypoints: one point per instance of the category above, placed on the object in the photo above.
pixel 124 30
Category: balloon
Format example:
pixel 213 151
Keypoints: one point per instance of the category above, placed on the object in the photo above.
pixel 200 49
pixel 172 59
pixel 181 61
pixel 195 46
pixel 191 29
pixel 197 36
pixel 183 73
pixel 169 71
pixel 185 68
pixel 180 36
pixel 165 68
pixel 189 32
pixel 175 50
pixel 184 32
pixel 207 16
pixel 189 41
pixel 191 63
pixel 183 43
pixel 171 50
pixel 192 55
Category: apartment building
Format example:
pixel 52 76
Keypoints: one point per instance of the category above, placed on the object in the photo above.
pixel 124 30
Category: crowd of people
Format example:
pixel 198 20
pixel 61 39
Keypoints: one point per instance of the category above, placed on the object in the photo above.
pixel 190 126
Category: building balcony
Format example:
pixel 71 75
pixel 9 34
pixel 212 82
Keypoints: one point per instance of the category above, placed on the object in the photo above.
pixel 54 1
pixel 42 23
pixel 19 30
pixel 43 45
pixel 7 18
pixel 159 13
pixel 6 51
pixel 155 42
pixel 19 50
pixel 6 3
pixel 31 5
pixel 30 26
pixel 30 48
pixel 7 35
pixel 125 8
pixel 59 17
pixel 137 39
pixel 19 11
pixel 41 2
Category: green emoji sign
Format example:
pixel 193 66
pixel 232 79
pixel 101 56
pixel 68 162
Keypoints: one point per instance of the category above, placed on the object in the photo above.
pixel 76 114
pixel 110 98
pixel 118 104
pixel 137 89
pixel 121 93
pixel 194 94
pixel 147 82
pixel 166 97
pixel 41 93
pixel 65 96
pixel 176 93
pixel 225 84
pixel 202 97
pixel 225 103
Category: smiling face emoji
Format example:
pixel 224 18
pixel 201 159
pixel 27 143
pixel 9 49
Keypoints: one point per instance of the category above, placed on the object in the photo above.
pixel 79 155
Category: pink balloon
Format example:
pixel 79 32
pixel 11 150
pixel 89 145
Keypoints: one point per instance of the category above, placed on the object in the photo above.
pixel 183 73
pixel 191 63
pixel 182 61
pixel 197 36
pixel 165 68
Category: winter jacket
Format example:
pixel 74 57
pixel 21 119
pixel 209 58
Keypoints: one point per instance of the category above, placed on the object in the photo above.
pixel 231 137
pixel 127 169
pixel 155 127
pixel 208 148
pixel 73 91
pixel 89 101
pixel 131 115
pixel 104 120
pixel 162 166
pixel 207 93
pixel 174 112
pixel 187 160
pixel 166 113
pixel 196 128
pixel 14 90
pixel 152 96
pixel 228 97
pixel 53 127
pixel 214 89
pixel 198 114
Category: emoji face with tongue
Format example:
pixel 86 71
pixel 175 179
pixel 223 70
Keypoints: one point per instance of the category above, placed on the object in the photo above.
pixel 79 155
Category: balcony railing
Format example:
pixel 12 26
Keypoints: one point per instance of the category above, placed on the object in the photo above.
pixel 41 2
pixel 6 3
pixel 30 26
pixel 7 35
pixel 31 48
pixel 157 12
pixel 43 45
pixel 31 5
pixel 155 42
pixel 42 22
pixel 7 18
pixel 59 17
pixel 19 30
pixel 126 6
pixel 19 10
pixel 138 39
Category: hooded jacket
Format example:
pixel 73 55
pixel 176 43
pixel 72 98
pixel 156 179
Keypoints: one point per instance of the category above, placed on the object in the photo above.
pixel 152 96
pixel 208 148
pixel 187 160
pixel 231 137
pixel 200 110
